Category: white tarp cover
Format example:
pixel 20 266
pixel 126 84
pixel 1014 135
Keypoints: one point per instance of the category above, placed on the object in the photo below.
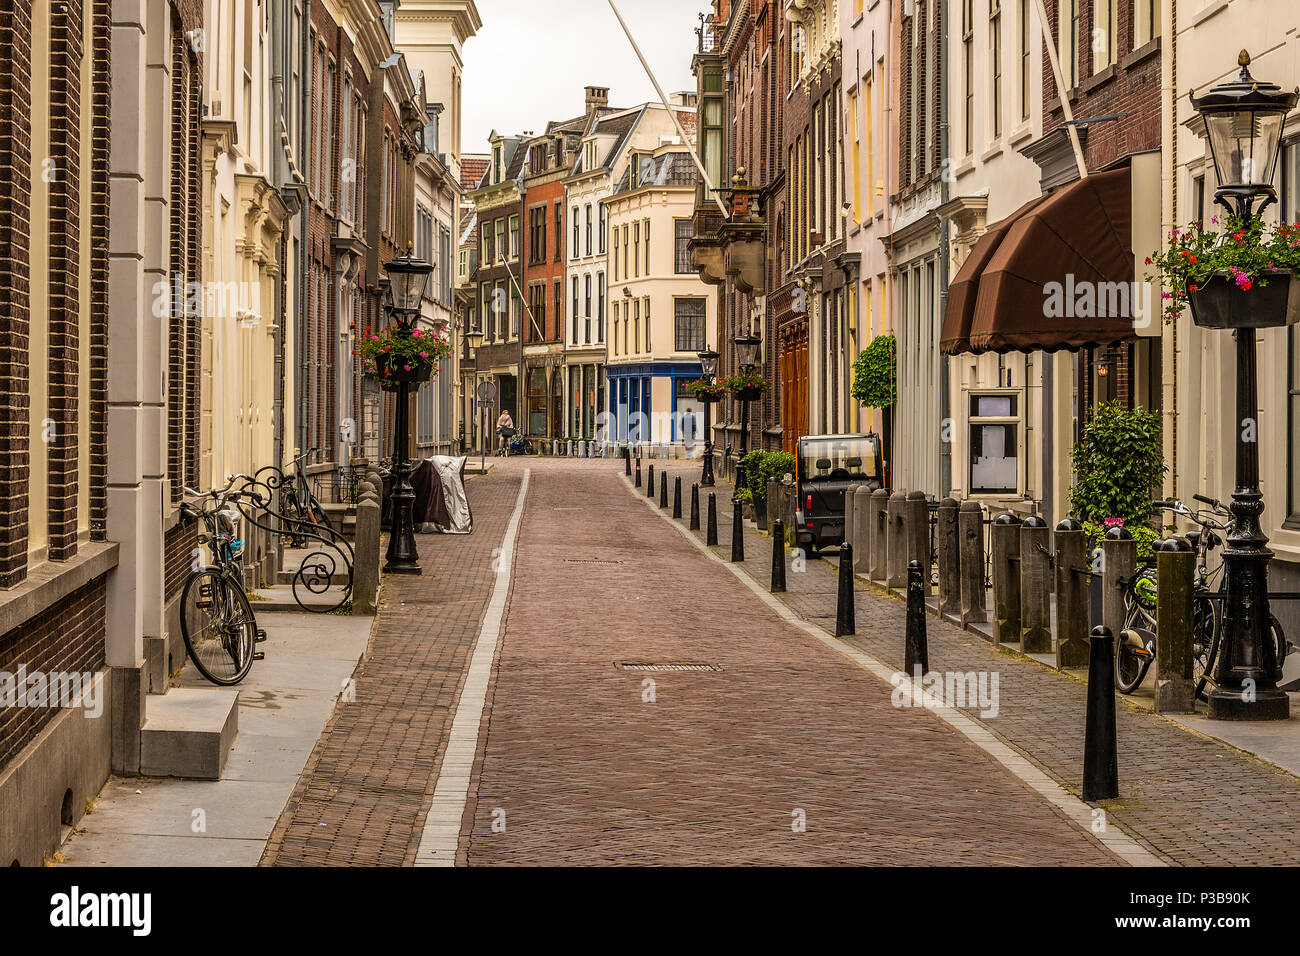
pixel 450 472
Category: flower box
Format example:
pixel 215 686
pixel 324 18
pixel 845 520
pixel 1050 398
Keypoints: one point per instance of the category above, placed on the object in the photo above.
pixel 752 394
pixel 391 379
pixel 1219 303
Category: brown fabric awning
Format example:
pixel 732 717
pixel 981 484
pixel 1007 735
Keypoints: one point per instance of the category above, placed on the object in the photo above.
pixel 1079 238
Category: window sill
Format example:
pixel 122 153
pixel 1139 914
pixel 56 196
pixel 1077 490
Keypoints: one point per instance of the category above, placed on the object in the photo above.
pixel 1098 80
pixel 992 152
pixel 52 581
pixel 1152 46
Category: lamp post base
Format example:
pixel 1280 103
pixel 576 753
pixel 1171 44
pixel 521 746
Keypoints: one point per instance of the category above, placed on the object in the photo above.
pixel 1264 704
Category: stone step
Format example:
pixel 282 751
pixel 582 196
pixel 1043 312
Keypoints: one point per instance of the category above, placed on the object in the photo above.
pixel 286 577
pixel 280 597
pixel 189 732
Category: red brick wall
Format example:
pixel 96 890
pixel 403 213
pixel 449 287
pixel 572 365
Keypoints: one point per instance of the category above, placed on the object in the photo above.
pixel 68 637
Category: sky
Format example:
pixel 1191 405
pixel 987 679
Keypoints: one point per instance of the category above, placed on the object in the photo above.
pixel 530 61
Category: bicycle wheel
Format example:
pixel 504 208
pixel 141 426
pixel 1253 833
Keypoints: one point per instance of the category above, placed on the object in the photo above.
pixel 1206 630
pixel 1130 666
pixel 218 626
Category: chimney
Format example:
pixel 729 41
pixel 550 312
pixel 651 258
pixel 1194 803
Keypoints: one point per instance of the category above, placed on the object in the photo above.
pixel 597 97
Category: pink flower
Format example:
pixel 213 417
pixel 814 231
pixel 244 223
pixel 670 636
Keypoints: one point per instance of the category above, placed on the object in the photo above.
pixel 406 367
pixel 1114 522
pixel 424 355
pixel 418 334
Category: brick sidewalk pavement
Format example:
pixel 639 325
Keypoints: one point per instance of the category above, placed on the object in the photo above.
pixel 587 763
pixel 367 786
pixel 1189 798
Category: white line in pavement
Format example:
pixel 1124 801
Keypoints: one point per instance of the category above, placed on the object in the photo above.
pixel 441 833
pixel 1114 839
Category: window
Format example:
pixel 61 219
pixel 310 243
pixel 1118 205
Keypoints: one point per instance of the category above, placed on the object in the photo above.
pixel 498 170
pixel 1069 41
pixel 688 324
pixel 614 339
pixel 1146 22
pixel 682 232
pixel 501 240
pixel 575 311
pixel 1024 59
pixel 424 235
pixel 559 308
pixel 713 145
pixel 501 307
pixel 995 54
pixel 645 310
pixel 994 430
pixel 968 75
pixel 855 155
pixel 537 235
pixel 1289 212
pixel 603 225
pixel 636 248
pixel 588 228
pixel 600 306
pixel 616 259
pixel 514 238
pixel 1104 32
pixel 645 234
pixel 516 310
pixel 485 241
pixel 576 251
pixel 537 308
pixel 871 149
pixel 625 260
pixel 559 231
pixel 796 54
pixel 586 295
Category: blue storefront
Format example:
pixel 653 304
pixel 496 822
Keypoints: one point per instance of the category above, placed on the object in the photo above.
pixel 631 404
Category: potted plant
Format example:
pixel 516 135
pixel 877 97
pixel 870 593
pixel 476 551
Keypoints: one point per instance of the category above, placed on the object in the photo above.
pixel 745 386
pixel 707 391
pixel 1118 465
pixel 395 356
pixel 1242 277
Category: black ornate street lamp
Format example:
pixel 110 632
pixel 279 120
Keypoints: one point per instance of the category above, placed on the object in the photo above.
pixel 408 279
pixel 709 373
pixel 747 352
pixel 1243 120
pixel 474 340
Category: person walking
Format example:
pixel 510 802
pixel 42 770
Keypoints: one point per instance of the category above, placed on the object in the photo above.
pixel 505 430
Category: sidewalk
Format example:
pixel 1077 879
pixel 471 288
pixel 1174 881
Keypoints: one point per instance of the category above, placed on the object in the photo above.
pixel 283 704
pixel 1190 798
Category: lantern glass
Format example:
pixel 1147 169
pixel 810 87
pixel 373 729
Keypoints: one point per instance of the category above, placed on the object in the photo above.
pixel 408 279
pixel 1244 144
pixel 748 347
pixel 474 338
pixel 709 363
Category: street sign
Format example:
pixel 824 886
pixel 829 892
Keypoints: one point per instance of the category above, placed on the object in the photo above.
pixel 487 390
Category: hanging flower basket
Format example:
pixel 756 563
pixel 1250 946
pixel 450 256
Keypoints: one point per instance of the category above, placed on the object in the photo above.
pixel 746 388
pixel 395 356
pixel 1224 301
pixel 707 392
pixel 392 378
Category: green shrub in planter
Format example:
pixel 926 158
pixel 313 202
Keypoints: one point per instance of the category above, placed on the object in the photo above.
pixel 1118 466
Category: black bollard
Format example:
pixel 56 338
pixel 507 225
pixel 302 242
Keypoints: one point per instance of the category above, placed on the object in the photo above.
pixel 627 460
pixel 737 533
pixel 711 535
pixel 695 507
pixel 663 489
pixel 1100 758
pixel 845 625
pixel 677 496
pixel 638 471
pixel 778 557
pixel 650 485
pixel 917 650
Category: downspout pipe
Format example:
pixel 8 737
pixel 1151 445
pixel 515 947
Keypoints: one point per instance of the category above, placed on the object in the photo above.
pixel 946 432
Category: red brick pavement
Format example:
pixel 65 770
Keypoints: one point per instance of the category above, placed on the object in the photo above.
pixel 366 789
pixel 715 769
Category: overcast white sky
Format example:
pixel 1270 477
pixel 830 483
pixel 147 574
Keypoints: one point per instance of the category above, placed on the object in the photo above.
pixel 530 61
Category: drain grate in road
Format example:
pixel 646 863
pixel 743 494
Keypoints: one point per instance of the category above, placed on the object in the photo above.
pixel 591 561
pixel 643 666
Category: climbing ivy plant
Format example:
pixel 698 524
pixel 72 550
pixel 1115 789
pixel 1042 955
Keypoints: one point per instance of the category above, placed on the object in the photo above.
pixel 873 373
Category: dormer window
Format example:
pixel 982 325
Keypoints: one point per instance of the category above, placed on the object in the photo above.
pixel 497 170
pixel 589 161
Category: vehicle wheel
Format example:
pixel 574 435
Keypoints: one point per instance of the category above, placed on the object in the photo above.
pixel 1206 631
pixel 218 627
pixel 1130 668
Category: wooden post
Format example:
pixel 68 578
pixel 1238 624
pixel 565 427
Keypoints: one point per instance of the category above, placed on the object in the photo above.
pixel 970 534
pixel 896 541
pixel 1175 567
pixel 1035 587
pixel 850 506
pixel 877 517
pixel 945 538
pixel 365 574
pixel 1006 578
pixel 1118 563
pixel 861 529
pixel 1073 642
pixel 916 515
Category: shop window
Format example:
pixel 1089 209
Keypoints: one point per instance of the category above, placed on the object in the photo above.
pixel 994 442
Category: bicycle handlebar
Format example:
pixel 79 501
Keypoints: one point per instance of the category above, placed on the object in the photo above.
pixel 1212 502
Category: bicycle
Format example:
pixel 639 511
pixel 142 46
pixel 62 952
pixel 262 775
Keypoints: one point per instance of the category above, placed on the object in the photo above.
pixel 1136 648
pixel 217 621
pixel 299 502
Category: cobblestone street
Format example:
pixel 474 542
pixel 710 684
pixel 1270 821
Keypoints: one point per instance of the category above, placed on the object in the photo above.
pixel 646 707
